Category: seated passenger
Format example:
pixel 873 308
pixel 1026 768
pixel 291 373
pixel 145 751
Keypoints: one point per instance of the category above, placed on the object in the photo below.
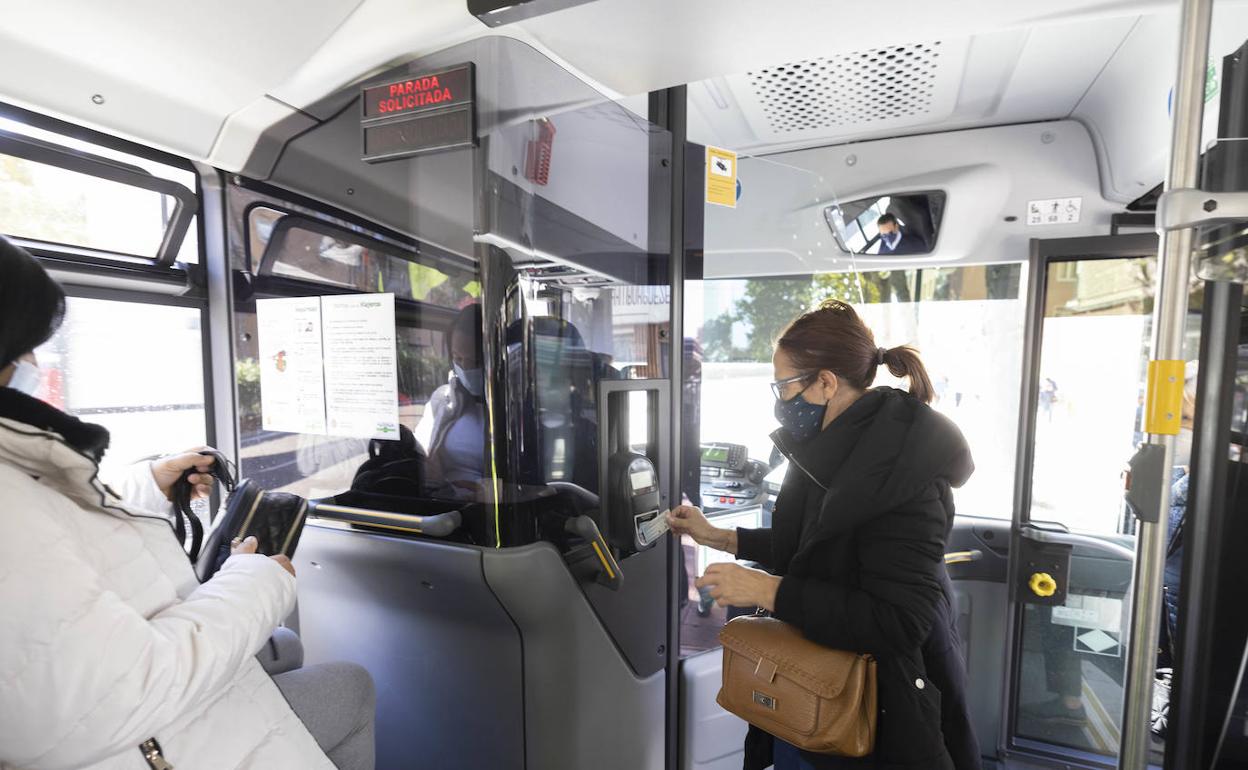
pixel 112 654
pixel 452 428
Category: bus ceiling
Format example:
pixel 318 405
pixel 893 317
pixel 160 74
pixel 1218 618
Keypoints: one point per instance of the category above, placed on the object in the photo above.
pixel 179 92
pixel 865 103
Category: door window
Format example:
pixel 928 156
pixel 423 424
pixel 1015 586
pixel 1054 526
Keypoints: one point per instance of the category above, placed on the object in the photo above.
pixel 1093 356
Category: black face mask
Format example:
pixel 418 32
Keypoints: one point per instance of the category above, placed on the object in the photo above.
pixel 802 419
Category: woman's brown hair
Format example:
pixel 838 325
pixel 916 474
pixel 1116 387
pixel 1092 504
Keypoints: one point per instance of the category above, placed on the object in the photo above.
pixel 833 337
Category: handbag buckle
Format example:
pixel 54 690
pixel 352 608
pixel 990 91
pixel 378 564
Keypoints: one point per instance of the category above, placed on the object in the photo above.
pixel 764 700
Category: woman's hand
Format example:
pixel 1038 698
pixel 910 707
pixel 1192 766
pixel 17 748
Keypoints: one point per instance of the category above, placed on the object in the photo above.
pixel 732 585
pixel 249 546
pixel 167 470
pixel 688 520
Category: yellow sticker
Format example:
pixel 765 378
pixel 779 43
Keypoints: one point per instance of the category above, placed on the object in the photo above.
pixel 721 177
pixel 1164 401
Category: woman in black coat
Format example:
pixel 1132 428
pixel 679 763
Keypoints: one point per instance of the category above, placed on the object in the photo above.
pixel 855 557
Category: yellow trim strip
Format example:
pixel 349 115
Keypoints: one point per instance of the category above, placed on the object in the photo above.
pixel 303 511
pixel 958 557
pixel 1112 733
pixel 489 413
pixel 242 531
pixel 602 557
pixel 1164 401
pixel 387 526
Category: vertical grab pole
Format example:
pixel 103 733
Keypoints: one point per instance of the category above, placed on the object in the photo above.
pixel 1169 322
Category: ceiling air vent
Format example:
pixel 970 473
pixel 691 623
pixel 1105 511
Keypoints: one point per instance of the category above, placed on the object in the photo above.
pixel 878 89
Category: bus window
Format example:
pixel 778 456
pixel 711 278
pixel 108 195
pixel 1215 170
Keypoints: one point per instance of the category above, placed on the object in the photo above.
pixel 136 369
pixel 292 246
pixel 63 198
pixel 296 252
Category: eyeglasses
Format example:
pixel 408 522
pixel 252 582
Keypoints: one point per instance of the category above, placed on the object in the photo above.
pixel 778 386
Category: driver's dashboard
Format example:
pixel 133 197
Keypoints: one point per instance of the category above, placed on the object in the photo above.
pixel 729 479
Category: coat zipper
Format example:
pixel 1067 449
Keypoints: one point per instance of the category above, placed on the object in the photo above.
pixel 152 753
pixel 781 444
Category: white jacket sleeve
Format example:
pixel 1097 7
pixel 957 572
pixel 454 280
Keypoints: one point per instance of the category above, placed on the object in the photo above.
pixel 84 675
pixel 137 486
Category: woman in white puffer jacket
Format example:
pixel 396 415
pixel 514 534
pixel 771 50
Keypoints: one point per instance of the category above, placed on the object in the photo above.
pixel 112 654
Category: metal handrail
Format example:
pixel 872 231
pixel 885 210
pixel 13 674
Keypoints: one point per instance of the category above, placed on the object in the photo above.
pixel 1169 321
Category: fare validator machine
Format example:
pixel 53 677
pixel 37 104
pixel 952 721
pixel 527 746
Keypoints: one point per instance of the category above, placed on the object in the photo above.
pixel 630 515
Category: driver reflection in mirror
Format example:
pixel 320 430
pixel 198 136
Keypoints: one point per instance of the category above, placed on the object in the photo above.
pixel 452 428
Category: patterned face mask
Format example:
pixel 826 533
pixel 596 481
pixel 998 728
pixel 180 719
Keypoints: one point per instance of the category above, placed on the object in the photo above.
pixel 802 419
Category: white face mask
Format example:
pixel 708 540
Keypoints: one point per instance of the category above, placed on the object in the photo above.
pixel 1183 447
pixel 26 378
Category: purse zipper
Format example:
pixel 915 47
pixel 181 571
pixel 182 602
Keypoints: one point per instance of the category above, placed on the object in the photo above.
pixel 152 753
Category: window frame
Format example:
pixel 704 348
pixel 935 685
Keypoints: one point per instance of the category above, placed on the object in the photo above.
pixel 88 164
pixel 88 273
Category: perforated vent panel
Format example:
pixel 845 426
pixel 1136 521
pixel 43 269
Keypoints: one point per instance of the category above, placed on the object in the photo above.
pixel 878 88
pixel 855 88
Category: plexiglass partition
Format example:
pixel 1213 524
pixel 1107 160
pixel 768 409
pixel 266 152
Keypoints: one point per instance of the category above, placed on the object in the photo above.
pixel 526 270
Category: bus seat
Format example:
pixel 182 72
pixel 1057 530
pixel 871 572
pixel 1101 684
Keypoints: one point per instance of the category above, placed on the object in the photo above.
pixel 283 652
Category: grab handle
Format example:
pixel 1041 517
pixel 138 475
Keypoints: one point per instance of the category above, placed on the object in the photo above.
pixel 435 525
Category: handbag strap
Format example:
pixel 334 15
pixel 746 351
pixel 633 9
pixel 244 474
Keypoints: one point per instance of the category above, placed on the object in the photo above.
pixel 223 470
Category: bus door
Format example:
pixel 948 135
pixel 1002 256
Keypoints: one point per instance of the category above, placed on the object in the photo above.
pixel 1072 549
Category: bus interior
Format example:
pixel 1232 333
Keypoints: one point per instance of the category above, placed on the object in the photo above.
pixel 634 197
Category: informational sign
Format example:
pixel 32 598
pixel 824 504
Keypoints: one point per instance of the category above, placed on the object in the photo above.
pixel 328 365
pixel 1082 611
pixel 361 371
pixel 417 114
pixel 292 385
pixel 1054 211
pixel 721 177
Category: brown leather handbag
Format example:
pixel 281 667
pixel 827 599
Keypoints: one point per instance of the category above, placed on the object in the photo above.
pixel 818 699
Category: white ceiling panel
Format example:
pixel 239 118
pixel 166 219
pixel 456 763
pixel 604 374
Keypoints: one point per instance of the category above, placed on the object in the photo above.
pixel 632 46
pixel 1127 108
pixel 1057 65
pixel 168 73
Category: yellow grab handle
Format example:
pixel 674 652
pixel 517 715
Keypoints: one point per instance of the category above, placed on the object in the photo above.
pixel 1042 584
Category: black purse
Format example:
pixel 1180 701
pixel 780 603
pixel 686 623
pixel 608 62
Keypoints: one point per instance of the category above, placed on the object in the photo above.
pixel 275 519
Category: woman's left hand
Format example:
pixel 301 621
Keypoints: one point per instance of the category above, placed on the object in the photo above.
pixel 168 469
pixel 732 585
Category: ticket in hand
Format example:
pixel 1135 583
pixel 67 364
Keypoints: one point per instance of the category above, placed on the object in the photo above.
pixel 652 530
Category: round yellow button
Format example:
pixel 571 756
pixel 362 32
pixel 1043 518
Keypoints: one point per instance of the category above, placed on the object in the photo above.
pixel 1042 584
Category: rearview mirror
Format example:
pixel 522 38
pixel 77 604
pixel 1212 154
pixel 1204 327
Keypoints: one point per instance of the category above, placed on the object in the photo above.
pixel 888 225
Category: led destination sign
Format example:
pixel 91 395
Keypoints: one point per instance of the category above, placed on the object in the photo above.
pixel 418 114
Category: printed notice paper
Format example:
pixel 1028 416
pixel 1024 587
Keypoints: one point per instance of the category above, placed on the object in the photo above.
pixel 361 371
pixel 328 365
pixel 292 386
